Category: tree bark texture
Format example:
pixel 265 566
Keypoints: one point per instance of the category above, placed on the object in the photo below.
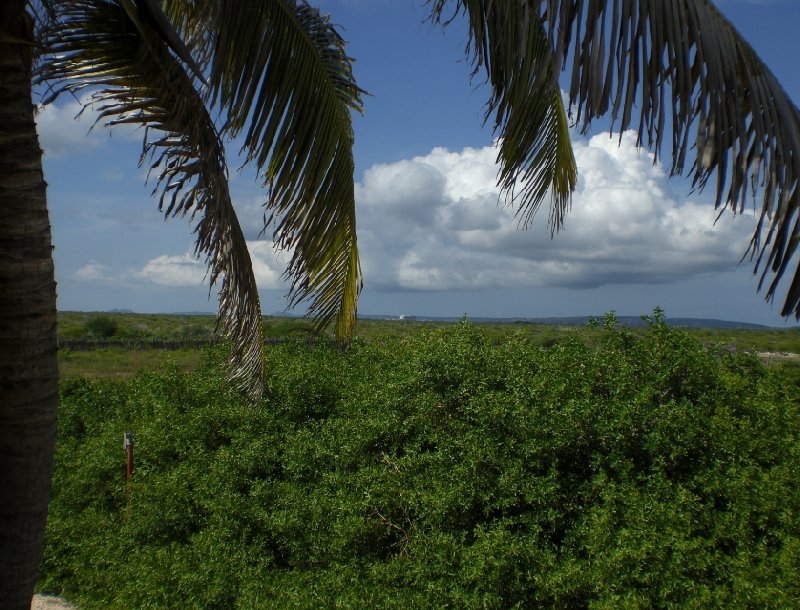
pixel 28 366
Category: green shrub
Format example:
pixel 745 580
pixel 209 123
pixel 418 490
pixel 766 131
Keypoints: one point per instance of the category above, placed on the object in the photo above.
pixel 102 326
pixel 440 470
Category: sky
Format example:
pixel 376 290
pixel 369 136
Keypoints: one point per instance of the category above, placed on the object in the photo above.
pixel 433 237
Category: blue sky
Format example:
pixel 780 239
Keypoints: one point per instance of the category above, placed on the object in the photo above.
pixel 432 237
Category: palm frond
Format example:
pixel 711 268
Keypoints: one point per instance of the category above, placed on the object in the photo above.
pixel 509 42
pixel 746 129
pixel 138 81
pixel 676 71
pixel 150 12
pixel 280 75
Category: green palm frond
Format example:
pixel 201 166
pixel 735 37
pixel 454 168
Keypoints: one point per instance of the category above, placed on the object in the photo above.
pixel 280 76
pixel 509 42
pixel 722 100
pixel 97 44
pixel 676 71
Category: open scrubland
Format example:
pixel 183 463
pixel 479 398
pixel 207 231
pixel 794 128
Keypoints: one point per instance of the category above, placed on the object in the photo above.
pixel 121 344
pixel 438 466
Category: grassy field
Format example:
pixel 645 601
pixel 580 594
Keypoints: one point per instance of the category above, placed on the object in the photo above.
pixel 116 361
pixel 119 362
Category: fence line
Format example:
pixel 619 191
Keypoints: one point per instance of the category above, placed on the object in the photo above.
pixel 84 345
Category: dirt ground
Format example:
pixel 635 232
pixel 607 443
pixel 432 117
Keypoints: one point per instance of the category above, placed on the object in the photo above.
pixel 50 602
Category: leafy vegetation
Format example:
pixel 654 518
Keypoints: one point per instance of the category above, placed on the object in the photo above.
pixel 440 469
pixel 74 325
pixel 117 357
pixel 102 326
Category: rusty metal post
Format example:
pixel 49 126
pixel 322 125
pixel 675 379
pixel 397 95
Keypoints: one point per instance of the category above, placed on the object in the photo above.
pixel 127 444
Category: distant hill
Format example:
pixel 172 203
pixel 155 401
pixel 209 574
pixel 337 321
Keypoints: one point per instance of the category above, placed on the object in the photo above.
pixel 583 320
pixel 631 321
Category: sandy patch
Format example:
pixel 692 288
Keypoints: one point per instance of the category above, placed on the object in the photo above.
pixel 777 356
pixel 50 602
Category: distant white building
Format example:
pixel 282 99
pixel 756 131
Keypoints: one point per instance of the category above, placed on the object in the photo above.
pixel 404 317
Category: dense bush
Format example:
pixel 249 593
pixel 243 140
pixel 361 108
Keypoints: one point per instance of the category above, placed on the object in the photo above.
pixel 437 471
pixel 102 326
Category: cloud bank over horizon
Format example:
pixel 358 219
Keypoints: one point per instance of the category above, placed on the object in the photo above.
pixel 435 223
pixel 187 270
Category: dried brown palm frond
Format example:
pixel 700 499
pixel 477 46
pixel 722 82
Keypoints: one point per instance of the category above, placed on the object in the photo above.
pixel 278 75
pixel 109 47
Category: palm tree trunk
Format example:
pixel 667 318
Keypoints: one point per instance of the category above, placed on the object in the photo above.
pixel 28 366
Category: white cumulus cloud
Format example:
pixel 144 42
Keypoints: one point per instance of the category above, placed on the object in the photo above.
pixel 435 223
pixel 268 264
pixel 70 127
pixel 187 270
pixel 91 271
pixel 64 129
pixel 180 270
